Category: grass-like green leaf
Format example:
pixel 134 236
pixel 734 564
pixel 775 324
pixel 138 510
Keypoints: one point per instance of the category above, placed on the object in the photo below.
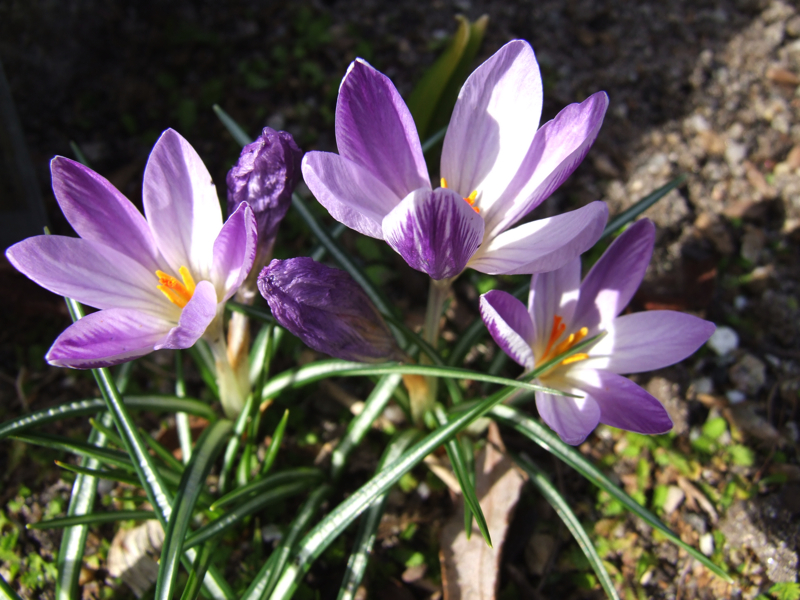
pixel 275 480
pixel 94 519
pixel 562 508
pixel 239 134
pixel 313 372
pixel 182 418
pixel 361 423
pixel 198 572
pixel 111 475
pixel 81 408
pixel 275 443
pixel 201 354
pixel 205 452
pixel 256 312
pixel 368 526
pixel 159 450
pixel 642 205
pixel 337 520
pixel 551 442
pixel 114 458
pixel 6 591
pixel 251 506
pixel 461 469
pixel 233 444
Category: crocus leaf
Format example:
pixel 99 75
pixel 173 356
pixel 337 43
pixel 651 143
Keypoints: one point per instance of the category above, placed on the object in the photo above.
pixel 551 442
pixel 6 591
pixel 562 508
pixel 252 506
pixel 425 97
pixel 239 134
pixel 201 354
pixel 208 447
pixel 640 206
pixel 181 417
pixel 368 526
pixel 109 474
pixel 262 484
pixel 114 458
pixel 198 572
pixel 81 408
pixel 94 519
pixel 251 311
pixel 233 444
pixel 337 520
pixel 275 443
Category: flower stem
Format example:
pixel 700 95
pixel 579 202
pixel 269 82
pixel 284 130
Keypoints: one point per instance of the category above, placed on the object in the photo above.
pixel 234 385
pixel 423 397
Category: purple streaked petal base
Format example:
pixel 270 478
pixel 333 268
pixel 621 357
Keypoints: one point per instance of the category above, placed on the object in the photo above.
pixel 650 340
pixel 510 325
pixel 554 293
pixel 573 419
pixel 234 251
pixel 435 231
pixel 106 338
pixel 543 245
pixel 196 316
pixel 622 403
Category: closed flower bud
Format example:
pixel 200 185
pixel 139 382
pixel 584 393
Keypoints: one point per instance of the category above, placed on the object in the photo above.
pixel 327 310
pixel 265 176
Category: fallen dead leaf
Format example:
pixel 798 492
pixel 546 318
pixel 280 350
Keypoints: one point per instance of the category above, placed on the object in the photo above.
pixel 131 555
pixel 470 568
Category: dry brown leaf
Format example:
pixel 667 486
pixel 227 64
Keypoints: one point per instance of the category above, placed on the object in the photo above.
pixel 470 568
pixel 131 555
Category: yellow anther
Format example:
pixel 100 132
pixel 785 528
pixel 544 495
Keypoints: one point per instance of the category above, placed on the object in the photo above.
pixel 472 196
pixel 574 358
pixel 443 181
pixel 176 292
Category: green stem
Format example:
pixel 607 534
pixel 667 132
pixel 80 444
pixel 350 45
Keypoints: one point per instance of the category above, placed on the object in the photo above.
pixel 233 388
pixel 422 402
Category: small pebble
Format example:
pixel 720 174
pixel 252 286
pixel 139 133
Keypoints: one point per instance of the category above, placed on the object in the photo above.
pixel 707 544
pixel 423 490
pixel 740 302
pixel 724 340
pixel 735 396
pixel 703 385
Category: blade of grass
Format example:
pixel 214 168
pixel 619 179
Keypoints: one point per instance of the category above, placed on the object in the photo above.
pixel 198 571
pixel 164 454
pixel 270 481
pixel 94 519
pixel 561 506
pixel 275 444
pixel 361 423
pixel 256 312
pixel 111 475
pixel 337 520
pixel 320 251
pixel 82 408
pixel 239 134
pixel 182 418
pixel 6 591
pixel 251 506
pixel 114 458
pixel 233 445
pixel 208 447
pixel 368 527
pixel 642 205
pixel 550 442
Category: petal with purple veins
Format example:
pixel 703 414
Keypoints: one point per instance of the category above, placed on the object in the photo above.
pixel 375 129
pixel 543 245
pixel 181 204
pixel 650 340
pixel 557 150
pixel 622 403
pixel 435 231
pixel 573 419
pixel 510 325
pixel 493 124
pixel 616 276
pixel 352 194
pixel 98 212
pixel 195 318
pixel 107 338
pixel 234 252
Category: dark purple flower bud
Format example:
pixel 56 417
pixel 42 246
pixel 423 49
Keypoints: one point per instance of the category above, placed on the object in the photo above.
pixel 265 177
pixel 327 310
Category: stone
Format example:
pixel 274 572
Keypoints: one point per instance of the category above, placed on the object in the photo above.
pixel 724 340
pixel 748 374
pixel 753 243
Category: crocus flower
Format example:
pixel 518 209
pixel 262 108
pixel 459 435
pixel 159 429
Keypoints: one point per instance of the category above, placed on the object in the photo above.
pixel 327 310
pixel 497 165
pixel 562 311
pixel 265 176
pixel 159 282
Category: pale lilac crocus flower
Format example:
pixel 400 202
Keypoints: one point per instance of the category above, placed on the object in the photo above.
pixel 562 311
pixel 160 281
pixel 497 165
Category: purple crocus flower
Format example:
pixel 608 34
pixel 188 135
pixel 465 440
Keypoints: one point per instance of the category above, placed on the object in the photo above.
pixel 497 165
pixel 562 311
pixel 265 176
pixel 327 310
pixel 159 282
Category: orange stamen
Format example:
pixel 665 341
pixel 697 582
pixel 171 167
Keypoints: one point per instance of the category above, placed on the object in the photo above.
pixel 176 292
pixel 554 349
pixel 469 199
pixel 555 333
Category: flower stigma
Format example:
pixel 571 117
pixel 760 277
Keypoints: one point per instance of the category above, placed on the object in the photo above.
pixel 469 199
pixel 553 348
pixel 176 292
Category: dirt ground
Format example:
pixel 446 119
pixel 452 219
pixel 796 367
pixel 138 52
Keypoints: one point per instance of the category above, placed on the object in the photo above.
pixel 707 89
